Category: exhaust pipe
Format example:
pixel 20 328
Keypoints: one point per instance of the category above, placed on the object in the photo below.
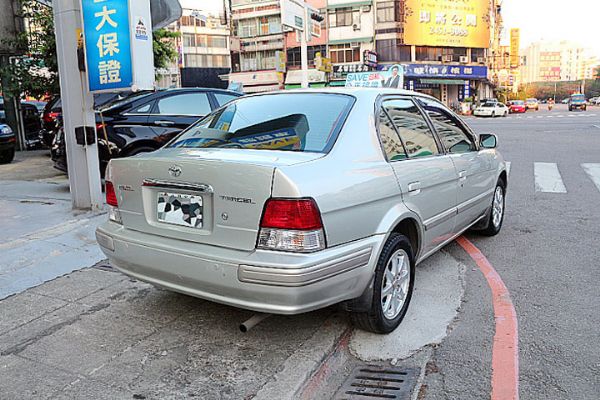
pixel 254 320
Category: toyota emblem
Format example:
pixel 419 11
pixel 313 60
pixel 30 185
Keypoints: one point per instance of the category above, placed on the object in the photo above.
pixel 175 170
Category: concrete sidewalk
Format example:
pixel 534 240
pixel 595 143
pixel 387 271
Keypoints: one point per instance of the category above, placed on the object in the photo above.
pixel 42 237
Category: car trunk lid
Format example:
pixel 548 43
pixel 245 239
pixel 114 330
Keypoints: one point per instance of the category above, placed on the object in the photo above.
pixel 204 196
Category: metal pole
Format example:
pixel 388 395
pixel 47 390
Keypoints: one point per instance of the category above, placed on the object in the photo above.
pixel 304 49
pixel 77 108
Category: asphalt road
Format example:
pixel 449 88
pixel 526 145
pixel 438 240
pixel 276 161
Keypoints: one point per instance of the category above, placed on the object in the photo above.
pixel 547 254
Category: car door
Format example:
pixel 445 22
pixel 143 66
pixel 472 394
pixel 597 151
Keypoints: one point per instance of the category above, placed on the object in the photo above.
pixel 174 112
pixel 427 177
pixel 475 183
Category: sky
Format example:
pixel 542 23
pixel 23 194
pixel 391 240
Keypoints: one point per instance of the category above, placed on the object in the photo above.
pixel 573 20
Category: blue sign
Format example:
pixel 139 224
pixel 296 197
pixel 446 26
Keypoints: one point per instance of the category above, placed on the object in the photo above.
pixel 445 71
pixel 107 44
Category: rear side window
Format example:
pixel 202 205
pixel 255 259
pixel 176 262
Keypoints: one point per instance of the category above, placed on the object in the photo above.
pixel 184 104
pixel 224 98
pixel 394 150
pixel 286 121
pixel 412 127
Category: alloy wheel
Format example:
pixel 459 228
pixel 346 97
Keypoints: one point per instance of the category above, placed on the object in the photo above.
pixel 498 206
pixel 395 284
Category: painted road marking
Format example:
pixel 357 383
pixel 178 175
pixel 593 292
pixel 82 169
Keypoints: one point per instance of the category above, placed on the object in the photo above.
pixel 508 168
pixel 505 350
pixel 547 178
pixel 593 171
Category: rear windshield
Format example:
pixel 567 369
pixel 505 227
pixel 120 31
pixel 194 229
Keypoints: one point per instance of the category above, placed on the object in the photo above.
pixel 492 105
pixel 518 102
pixel 307 122
pixel 577 97
pixel 532 100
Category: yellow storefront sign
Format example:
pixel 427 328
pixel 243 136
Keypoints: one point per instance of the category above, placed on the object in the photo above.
pixel 515 43
pixel 452 23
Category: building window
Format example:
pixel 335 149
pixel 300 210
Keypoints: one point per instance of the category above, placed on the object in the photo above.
pixel 294 59
pixel 206 61
pixel 344 53
pixel 192 21
pixel 388 11
pixel 343 17
pixel 390 50
pixel 426 53
pixel 476 54
pixel 258 60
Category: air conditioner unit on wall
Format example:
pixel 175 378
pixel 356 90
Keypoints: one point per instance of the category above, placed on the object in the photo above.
pixel 365 9
pixel 481 60
pixel 447 58
pixel 354 44
pixel 464 59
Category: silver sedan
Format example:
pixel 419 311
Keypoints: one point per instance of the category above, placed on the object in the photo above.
pixel 292 201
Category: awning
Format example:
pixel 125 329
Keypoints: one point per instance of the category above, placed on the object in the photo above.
pixel 337 83
pixel 295 76
pixel 353 4
pixel 312 85
pixel 443 81
pixel 367 39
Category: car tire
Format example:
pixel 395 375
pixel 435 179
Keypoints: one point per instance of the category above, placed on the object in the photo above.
pixel 7 156
pixel 495 220
pixel 385 314
pixel 493 114
pixel 505 114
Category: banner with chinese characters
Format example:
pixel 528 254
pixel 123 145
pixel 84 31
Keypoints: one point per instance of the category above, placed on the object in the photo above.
pixel 443 23
pixel 392 78
pixel 118 45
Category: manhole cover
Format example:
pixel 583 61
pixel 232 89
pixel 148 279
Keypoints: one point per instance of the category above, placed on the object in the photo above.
pixel 370 382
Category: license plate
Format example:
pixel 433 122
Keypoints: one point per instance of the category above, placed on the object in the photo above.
pixel 180 209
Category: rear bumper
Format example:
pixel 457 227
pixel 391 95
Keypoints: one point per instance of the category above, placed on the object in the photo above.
pixel 265 281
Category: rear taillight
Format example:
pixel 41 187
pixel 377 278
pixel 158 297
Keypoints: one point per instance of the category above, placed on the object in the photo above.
pixel 50 117
pixel 113 205
pixel 111 196
pixel 291 225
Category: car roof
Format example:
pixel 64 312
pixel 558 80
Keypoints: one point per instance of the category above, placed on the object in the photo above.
pixel 359 93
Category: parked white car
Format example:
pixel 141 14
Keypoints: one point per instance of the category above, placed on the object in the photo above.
pixel 292 201
pixel 491 110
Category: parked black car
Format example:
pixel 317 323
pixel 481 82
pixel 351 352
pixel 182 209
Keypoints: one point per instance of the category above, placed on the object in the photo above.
pixel 31 121
pixel 145 121
pixel 52 113
pixel 8 142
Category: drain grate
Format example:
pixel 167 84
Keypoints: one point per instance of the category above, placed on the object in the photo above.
pixel 371 382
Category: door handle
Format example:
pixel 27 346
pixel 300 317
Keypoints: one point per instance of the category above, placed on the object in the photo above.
pixel 164 123
pixel 414 188
pixel 462 176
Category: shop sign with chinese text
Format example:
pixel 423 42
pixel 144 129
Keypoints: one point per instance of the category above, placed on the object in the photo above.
pixel 118 45
pixel 464 23
pixel 445 71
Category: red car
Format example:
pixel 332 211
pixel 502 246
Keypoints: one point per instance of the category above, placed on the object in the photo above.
pixel 517 106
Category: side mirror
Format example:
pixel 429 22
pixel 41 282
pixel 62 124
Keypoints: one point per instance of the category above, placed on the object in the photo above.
pixel 488 141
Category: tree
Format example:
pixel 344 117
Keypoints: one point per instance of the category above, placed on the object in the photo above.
pixel 163 46
pixel 35 73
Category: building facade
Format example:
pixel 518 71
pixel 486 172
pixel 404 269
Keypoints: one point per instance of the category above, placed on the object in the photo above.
pixel 557 61
pixel 203 50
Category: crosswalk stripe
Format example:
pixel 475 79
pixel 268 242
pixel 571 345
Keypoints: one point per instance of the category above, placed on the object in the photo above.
pixel 547 178
pixel 508 168
pixel 593 171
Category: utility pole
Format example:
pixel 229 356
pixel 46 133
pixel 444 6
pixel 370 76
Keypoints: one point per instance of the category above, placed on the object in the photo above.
pixel 304 49
pixel 77 109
